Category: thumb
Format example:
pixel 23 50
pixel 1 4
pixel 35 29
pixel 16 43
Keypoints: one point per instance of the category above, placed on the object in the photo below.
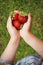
pixel 9 19
pixel 9 22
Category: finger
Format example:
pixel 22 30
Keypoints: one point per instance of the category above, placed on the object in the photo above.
pixel 9 24
pixel 29 23
pixel 9 19
pixel 29 19
pixel 17 11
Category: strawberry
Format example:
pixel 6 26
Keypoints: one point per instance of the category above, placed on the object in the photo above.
pixel 16 16
pixel 19 20
pixel 22 19
pixel 16 24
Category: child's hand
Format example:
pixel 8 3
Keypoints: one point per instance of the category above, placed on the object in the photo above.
pixel 12 30
pixel 27 26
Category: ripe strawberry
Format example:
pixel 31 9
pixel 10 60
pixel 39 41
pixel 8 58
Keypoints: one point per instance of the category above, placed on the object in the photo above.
pixel 16 16
pixel 19 20
pixel 22 19
pixel 16 24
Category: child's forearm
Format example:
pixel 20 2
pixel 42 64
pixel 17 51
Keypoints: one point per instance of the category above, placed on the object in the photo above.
pixel 34 42
pixel 10 50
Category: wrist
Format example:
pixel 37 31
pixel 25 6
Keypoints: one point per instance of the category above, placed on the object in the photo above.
pixel 26 35
pixel 28 32
pixel 15 38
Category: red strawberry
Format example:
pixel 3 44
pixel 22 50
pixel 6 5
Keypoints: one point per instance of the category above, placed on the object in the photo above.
pixel 18 20
pixel 16 16
pixel 22 19
pixel 16 24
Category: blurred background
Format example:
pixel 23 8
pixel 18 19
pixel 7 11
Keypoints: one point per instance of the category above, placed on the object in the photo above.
pixel 35 7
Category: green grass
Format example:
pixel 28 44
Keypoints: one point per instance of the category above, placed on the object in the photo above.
pixel 35 7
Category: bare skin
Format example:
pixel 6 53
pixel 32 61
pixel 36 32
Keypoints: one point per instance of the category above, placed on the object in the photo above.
pixel 10 51
pixel 33 41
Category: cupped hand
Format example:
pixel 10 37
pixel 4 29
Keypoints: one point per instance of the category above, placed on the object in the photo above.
pixel 27 26
pixel 14 33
